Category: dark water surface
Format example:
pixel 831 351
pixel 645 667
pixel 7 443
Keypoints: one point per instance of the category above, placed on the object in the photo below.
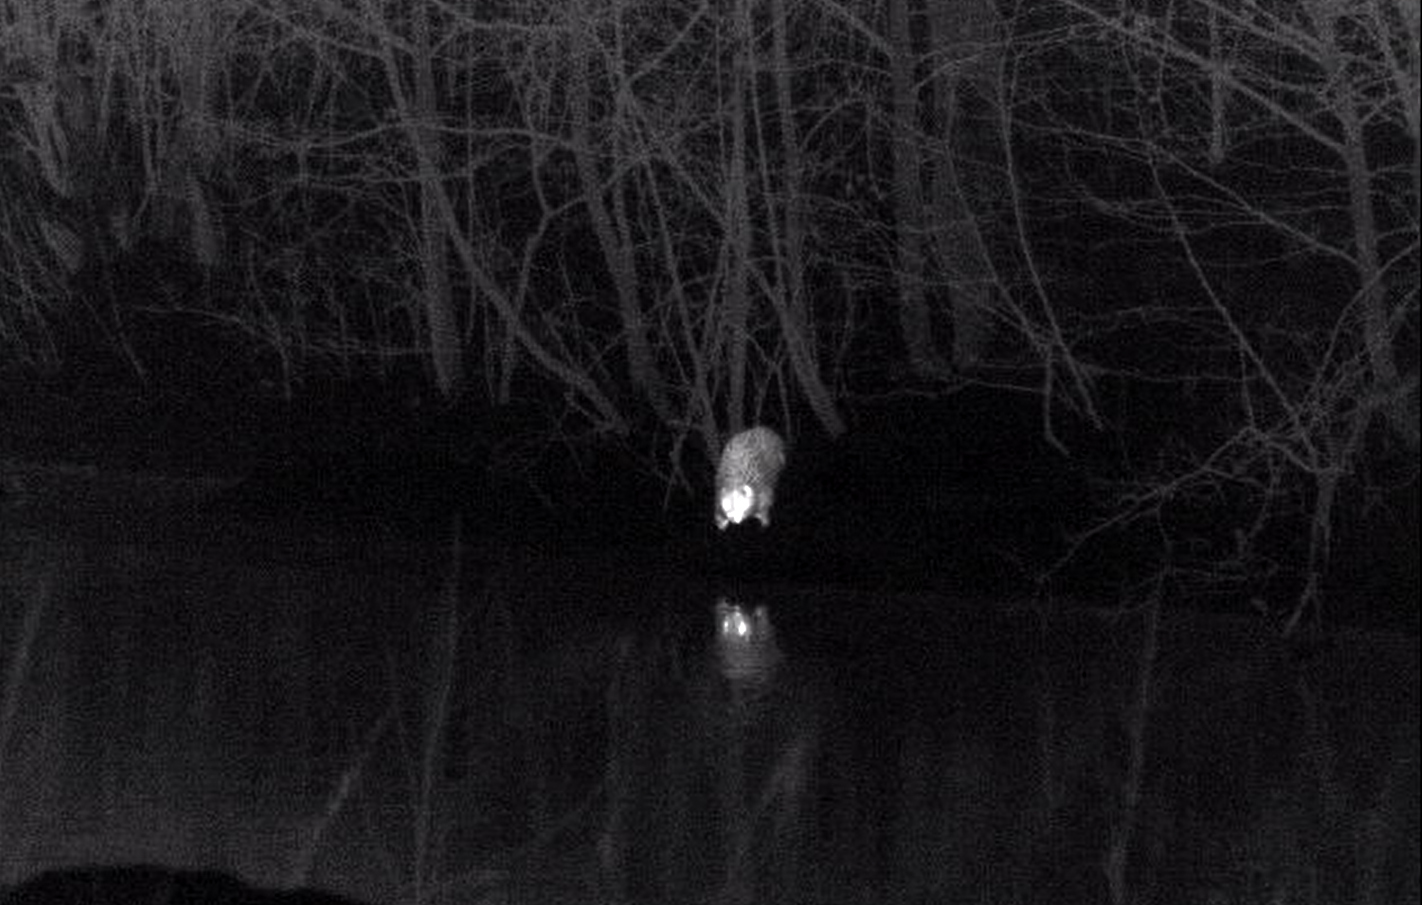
pixel 457 722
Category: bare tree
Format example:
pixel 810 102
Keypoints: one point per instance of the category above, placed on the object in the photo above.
pixel 1266 142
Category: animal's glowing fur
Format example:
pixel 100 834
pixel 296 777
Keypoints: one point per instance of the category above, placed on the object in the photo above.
pixel 745 479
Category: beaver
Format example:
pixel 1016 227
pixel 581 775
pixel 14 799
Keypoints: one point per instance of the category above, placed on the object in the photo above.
pixel 745 480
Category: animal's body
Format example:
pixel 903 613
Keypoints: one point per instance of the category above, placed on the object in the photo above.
pixel 749 468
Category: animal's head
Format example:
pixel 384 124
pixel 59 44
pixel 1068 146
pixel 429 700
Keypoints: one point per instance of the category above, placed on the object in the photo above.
pixel 734 505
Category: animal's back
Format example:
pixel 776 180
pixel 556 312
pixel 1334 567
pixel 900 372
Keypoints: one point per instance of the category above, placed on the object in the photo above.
pixel 746 477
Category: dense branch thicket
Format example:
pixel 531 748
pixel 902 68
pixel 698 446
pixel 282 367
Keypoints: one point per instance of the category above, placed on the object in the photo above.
pixel 682 217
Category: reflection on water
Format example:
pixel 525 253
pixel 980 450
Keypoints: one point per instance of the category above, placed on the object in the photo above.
pixel 713 772
pixel 607 730
pixel 745 643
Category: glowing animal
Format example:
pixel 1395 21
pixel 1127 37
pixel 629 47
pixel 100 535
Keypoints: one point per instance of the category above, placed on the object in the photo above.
pixel 745 480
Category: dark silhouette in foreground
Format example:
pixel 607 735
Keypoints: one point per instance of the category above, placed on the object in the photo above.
pixel 149 885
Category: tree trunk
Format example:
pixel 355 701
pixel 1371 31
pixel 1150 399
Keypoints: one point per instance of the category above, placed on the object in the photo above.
pixel 614 242
pixel 915 322
pixel 440 317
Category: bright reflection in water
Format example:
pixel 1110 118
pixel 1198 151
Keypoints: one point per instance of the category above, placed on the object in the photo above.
pixel 745 643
